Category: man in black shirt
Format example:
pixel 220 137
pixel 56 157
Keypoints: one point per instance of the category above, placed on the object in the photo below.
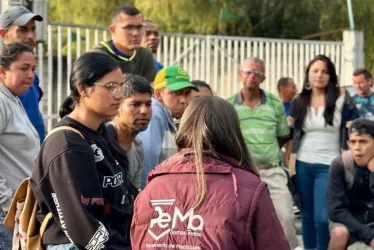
pixel 350 190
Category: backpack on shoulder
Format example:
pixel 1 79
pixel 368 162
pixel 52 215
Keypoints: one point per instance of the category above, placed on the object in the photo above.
pixel 22 214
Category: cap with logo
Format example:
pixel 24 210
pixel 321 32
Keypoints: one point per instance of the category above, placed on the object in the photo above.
pixel 17 15
pixel 173 78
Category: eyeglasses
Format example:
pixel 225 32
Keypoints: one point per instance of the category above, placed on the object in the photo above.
pixel 113 87
pixel 131 28
pixel 255 72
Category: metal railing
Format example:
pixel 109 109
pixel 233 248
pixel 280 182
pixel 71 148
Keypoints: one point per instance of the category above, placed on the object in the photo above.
pixel 215 59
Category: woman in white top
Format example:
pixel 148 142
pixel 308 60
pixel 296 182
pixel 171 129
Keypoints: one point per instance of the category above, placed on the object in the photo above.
pixel 19 141
pixel 319 116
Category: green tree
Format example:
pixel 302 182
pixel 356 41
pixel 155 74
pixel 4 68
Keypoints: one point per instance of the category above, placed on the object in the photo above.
pixel 335 16
pixel 197 16
pixel 92 12
pixel 288 19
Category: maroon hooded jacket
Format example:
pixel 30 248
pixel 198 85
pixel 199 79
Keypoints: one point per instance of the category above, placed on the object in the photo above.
pixel 237 212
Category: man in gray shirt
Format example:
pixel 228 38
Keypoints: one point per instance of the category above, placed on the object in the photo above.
pixel 133 117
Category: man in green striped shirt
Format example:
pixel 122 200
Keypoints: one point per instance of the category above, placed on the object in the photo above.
pixel 265 130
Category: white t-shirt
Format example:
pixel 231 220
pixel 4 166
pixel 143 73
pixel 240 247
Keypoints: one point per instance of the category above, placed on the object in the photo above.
pixel 321 142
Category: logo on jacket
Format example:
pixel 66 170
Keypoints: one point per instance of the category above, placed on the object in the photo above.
pixel 169 222
pixel 113 181
pixel 98 239
pixel 98 153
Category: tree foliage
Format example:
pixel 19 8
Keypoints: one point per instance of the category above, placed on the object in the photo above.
pixel 91 12
pixel 290 19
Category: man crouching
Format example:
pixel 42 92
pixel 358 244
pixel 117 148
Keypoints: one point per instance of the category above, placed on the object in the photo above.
pixel 350 189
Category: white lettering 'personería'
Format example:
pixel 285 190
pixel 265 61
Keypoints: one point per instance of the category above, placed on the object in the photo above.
pixel 98 239
pixel 167 222
pixel 98 153
pixel 62 221
pixel 113 181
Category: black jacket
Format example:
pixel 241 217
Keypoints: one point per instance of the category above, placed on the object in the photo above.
pixel 349 197
pixel 141 63
pixel 85 187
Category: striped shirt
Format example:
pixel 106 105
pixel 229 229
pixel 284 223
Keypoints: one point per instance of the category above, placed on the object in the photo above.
pixel 262 126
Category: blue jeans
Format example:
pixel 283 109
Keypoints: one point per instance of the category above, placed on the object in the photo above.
pixel 6 235
pixel 68 246
pixel 311 182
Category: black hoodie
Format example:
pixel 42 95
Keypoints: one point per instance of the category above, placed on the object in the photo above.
pixel 85 187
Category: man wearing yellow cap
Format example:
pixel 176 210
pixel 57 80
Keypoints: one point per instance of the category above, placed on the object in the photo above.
pixel 172 87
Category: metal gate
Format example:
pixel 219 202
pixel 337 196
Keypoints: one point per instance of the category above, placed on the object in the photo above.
pixel 215 59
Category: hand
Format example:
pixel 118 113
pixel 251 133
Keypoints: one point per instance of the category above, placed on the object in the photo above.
pixel 372 243
pixel 370 165
pixel 291 122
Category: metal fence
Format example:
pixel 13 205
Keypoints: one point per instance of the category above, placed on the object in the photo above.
pixel 215 59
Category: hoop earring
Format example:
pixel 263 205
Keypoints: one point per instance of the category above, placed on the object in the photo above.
pixel 308 86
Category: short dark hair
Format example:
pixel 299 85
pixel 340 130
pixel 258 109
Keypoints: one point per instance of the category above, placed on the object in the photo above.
pixel 125 8
pixel 283 82
pixel 9 53
pixel 364 72
pixel 135 84
pixel 362 127
pixel 199 83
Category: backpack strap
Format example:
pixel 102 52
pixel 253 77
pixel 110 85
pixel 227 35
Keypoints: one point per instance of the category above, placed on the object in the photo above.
pixel 48 217
pixel 45 223
pixel 349 168
pixel 64 128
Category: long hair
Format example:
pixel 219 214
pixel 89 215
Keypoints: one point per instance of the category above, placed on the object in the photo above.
pixel 332 92
pixel 211 124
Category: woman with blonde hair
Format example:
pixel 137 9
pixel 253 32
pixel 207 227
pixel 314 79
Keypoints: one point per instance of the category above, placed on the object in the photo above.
pixel 208 195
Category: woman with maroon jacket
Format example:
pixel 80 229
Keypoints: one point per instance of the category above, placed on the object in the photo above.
pixel 209 195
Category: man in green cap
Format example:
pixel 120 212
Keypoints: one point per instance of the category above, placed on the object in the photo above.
pixel 172 87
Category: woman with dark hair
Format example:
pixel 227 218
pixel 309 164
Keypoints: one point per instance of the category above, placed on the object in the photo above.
pixel 76 176
pixel 19 141
pixel 209 195
pixel 320 116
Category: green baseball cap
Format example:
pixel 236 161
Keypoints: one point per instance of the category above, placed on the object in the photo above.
pixel 173 78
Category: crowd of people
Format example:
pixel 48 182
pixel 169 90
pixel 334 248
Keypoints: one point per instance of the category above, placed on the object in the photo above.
pixel 144 157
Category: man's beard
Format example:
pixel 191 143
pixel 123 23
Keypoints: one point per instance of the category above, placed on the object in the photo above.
pixel 137 130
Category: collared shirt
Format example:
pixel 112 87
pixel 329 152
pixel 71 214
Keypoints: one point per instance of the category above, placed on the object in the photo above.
pixel 262 126
pixel 158 139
